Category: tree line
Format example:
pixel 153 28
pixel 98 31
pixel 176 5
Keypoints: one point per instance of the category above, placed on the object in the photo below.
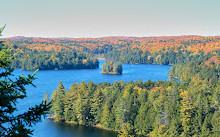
pixel 168 57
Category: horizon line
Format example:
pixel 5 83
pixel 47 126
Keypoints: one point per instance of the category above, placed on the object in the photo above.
pixel 110 36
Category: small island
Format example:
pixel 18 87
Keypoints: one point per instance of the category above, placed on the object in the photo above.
pixel 112 67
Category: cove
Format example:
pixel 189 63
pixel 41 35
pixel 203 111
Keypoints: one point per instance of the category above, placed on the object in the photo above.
pixel 48 81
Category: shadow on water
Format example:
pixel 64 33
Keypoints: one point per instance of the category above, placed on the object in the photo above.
pixel 71 130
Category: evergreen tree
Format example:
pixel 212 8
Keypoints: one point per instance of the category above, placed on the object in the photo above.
pixel 81 110
pixel 58 102
pixel 105 116
pixel 69 107
pixel 215 122
pixel 46 99
pixel 96 105
pixel 205 130
pixel 126 131
pixel 144 120
pixel 11 91
pixel 186 113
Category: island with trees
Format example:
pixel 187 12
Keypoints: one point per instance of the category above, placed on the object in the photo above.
pixel 112 67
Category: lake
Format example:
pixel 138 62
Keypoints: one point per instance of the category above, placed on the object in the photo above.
pixel 48 81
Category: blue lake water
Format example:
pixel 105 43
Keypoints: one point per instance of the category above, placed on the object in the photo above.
pixel 48 81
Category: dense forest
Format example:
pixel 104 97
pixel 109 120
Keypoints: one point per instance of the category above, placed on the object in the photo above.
pixel 132 50
pixel 161 108
pixel 54 60
pixel 112 67
pixel 28 59
pixel 195 44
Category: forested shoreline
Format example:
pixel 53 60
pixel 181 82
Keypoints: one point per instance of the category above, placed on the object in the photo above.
pixel 55 61
pixel 161 108
pixel 63 60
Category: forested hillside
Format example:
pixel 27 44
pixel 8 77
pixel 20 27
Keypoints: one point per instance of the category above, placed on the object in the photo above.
pixel 192 43
pixel 162 108
pixel 141 50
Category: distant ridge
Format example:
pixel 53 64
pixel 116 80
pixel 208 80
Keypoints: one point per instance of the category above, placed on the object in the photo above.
pixel 109 37
pixel 193 43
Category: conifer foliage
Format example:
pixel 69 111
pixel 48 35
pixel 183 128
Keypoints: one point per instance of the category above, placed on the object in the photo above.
pixel 10 92
pixel 57 99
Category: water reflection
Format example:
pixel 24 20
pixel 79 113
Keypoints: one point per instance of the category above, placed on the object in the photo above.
pixel 71 130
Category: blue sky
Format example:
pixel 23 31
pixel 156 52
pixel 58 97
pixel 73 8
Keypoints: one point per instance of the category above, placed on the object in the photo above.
pixel 99 18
